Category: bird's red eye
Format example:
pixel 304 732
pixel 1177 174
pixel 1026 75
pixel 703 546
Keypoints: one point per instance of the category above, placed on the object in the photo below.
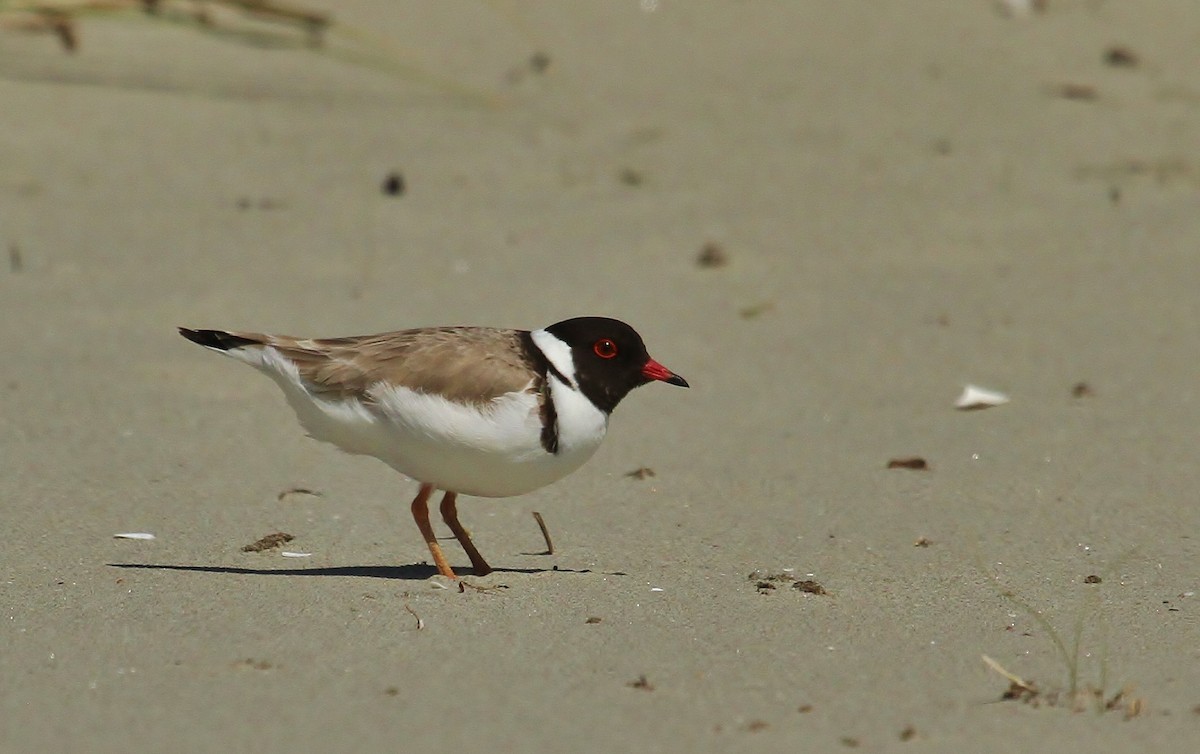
pixel 605 348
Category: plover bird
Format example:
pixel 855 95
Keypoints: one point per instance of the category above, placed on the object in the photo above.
pixel 467 410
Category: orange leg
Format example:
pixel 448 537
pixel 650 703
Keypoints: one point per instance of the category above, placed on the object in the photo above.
pixel 420 511
pixel 450 516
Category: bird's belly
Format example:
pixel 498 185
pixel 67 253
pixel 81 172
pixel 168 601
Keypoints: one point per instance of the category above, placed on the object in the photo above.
pixel 474 471
pixel 496 452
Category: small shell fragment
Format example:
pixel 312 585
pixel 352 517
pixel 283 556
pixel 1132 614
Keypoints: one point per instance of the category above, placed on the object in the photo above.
pixel 290 554
pixel 974 397
pixel 134 535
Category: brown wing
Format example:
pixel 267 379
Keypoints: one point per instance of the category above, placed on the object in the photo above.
pixel 464 364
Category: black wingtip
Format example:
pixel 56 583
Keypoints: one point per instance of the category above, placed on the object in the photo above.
pixel 218 339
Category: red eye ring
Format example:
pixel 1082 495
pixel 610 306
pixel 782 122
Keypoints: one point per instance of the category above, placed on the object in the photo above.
pixel 605 348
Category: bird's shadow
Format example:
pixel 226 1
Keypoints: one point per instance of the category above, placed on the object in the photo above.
pixel 413 572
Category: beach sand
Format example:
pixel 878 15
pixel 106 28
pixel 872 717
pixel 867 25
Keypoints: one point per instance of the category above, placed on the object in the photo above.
pixel 909 197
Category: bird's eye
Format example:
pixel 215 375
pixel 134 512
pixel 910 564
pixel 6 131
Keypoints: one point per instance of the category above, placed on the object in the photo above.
pixel 605 348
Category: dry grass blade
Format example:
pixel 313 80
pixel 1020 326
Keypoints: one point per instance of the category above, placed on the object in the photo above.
pixel 1018 687
pixel 280 12
pixel 255 23
pixel 999 669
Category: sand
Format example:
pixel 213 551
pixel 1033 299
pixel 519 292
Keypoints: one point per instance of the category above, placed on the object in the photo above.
pixel 910 196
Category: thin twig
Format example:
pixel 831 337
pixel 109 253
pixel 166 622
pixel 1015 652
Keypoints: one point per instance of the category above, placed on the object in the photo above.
pixel 545 532
pixel 413 613
pixel 296 491
pixel 463 585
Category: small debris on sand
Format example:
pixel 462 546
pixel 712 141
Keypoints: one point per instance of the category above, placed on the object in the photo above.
pixel 1121 57
pixel 296 491
pixel 915 463
pixel 712 255
pixel 269 542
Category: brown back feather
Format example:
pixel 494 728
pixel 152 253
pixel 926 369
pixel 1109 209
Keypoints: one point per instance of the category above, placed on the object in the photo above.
pixel 445 360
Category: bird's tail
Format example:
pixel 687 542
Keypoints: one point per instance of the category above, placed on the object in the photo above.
pixel 218 340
